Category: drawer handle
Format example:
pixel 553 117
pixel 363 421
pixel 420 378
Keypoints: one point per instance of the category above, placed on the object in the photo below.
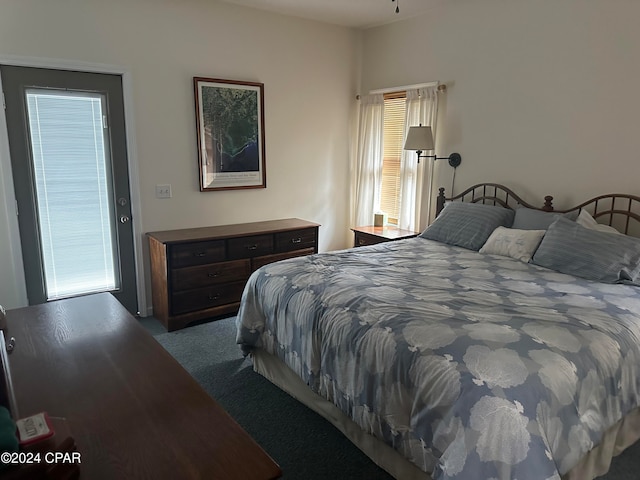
pixel 214 297
pixel 362 242
pixel 213 275
pixel 252 247
pixel 296 240
pixel 199 254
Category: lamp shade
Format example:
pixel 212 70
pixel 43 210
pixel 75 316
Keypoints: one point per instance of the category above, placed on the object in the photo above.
pixel 419 138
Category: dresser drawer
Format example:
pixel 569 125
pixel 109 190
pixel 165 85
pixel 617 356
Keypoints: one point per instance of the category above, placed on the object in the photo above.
pixel 197 253
pixel 247 247
pixel 212 296
pixel 362 239
pixel 276 257
pixel 211 274
pixel 295 240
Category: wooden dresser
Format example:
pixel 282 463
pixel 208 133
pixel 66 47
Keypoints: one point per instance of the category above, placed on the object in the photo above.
pixel 199 273
pixel 131 409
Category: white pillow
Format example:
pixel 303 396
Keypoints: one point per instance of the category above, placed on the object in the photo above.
pixel 514 243
pixel 588 221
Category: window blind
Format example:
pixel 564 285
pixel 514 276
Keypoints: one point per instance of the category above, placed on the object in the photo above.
pixel 71 173
pixel 393 141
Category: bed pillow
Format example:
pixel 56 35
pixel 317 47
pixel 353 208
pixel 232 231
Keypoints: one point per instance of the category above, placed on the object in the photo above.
pixel 530 219
pixel 568 247
pixel 588 221
pixel 467 225
pixel 509 242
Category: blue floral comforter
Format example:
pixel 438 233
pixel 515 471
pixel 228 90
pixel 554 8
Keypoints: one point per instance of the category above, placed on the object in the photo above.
pixel 469 365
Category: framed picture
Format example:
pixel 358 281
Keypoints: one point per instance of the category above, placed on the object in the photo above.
pixel 230 124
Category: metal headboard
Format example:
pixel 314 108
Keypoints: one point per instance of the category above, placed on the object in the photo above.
pixel 614 209
pixel 490 194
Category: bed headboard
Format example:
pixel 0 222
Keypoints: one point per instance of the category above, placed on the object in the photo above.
pixel 491 194
pixel 619 210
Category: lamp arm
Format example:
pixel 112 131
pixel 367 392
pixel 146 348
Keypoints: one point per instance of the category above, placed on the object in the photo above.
pixel 419 153
pixel 455 159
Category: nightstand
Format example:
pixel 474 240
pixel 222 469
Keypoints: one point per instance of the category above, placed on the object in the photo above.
pixel 371 235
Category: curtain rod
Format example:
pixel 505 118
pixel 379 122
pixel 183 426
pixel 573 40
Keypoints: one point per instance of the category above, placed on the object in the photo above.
pixel 441 88
pixel 406 87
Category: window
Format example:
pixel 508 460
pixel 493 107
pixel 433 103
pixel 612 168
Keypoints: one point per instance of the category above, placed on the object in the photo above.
pixel 70 166
pixel 395 110
pixel 385 177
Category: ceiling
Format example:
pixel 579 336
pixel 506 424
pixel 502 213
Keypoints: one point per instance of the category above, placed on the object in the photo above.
pixel 347 13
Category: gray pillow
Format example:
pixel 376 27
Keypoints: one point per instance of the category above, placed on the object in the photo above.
pixel 530 219
pixel 570 248
pixel 467 225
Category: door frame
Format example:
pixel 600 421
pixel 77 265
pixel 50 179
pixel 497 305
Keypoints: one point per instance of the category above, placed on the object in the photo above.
pixel 7 195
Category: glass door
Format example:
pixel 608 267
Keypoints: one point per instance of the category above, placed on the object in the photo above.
pixel 69 162
pixel 73 191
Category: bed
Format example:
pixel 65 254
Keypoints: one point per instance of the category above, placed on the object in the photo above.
pixel 476 350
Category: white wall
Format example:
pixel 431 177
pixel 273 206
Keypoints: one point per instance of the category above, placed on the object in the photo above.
pixel 310 73
pixel 542 95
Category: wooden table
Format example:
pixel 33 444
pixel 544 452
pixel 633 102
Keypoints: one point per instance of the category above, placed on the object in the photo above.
pixel 369 235
pixel 133 411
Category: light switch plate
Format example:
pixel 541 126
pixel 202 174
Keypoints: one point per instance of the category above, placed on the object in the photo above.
pixel 163 191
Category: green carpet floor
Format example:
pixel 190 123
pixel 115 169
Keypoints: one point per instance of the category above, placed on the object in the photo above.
pixel 305 445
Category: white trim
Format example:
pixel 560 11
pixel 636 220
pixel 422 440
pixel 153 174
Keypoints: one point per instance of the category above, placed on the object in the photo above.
pixel 405 87
pixel 134 176
pixel 61 64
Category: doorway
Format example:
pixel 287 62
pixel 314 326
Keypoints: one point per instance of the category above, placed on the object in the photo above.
pixel 68 150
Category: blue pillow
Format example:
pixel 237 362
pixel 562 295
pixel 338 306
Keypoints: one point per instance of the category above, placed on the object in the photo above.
pixel 467 225
pixel 530 219
pixel 570 248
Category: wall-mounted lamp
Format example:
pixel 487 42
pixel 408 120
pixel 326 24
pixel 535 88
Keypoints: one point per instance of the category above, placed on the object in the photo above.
pixel 421 139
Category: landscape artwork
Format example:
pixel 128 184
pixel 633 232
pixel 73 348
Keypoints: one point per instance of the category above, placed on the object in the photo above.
pixel 230 126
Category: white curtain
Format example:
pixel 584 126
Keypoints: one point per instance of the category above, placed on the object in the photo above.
pixel 415 178
pixel 366 168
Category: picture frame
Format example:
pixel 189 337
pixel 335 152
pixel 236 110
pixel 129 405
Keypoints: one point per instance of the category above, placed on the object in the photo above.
pixel 230 134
